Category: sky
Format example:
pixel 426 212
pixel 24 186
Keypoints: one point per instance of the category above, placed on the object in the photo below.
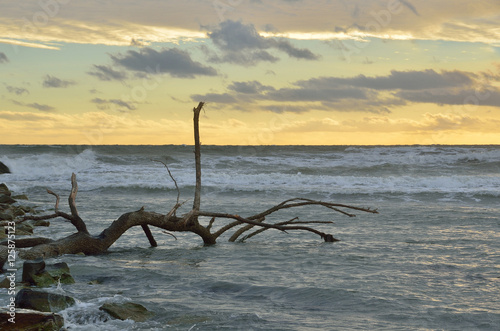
pixel 272 72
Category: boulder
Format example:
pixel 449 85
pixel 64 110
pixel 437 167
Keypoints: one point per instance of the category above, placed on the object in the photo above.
pixel 128 310
pixel 38 274
pixel 6 215
pixel 4 169
pixel 42 301
pixel 30 320
pixel 31 268
pixel 20 197
pixel 4 198
pixel 4 189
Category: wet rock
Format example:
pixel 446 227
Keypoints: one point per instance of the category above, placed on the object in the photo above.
pixel 20 197
pixel 4 198
pixel 4 189
pixel 4 254
pixel 6 215
pixel 41 223
pixel 38 274
pixel 42 301
pixel 31 268
pixel 30 320
pixel 128 310
pixel 60 272
pixel 5 283
pixel 4 169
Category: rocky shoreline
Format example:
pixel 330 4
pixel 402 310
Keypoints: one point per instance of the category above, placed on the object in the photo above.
pixel 33 308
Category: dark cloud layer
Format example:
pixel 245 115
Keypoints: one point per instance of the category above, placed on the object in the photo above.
pixel 54 82
pixel 171 61
pixel 369 94
pixel 242 44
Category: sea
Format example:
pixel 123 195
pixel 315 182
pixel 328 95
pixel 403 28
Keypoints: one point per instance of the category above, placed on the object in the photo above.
pixel 429 260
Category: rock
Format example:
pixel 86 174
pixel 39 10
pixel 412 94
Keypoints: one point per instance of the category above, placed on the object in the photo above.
pixel 38 274
pixel 4 198
pixel 4 169
pixel 128 310
pixel 42 301
pixel 6 215
pixel 41 223
pixel 20 197
pixel 24 227
pixel 60 272
pixel 30 320
pixel 4 189
pixel 31 268
pixel 4 255
pixel 5 283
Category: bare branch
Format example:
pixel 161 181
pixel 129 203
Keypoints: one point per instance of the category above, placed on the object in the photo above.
pixel 56 208
pixel 171 176
pixel 170 234
pixel 305 202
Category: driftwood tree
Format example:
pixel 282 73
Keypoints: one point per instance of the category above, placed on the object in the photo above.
pixel 243 227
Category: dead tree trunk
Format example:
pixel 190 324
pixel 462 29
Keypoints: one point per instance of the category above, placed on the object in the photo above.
pixel 83 242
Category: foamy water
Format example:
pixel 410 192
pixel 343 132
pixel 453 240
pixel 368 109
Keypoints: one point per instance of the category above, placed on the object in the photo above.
pixel 429 260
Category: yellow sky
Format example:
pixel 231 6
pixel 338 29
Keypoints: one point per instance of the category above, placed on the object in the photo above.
pixel 277 72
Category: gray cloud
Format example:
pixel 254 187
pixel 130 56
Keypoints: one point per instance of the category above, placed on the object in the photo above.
pixel 3 58
pixel 17 90
pixel 488 97
pixel 175 62
pixel 51 81
pixel 376 94
pixel 252 87
pixel 106 73
pixel 403 80
pixel 35 105
pixel 242 44
pixel 106 103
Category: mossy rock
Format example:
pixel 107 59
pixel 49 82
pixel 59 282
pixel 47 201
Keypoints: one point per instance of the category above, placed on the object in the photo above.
pixel 6 215
pixel 31 320
pixel 20 197
pixel 43 301
pixel 38 274
pixel 128 310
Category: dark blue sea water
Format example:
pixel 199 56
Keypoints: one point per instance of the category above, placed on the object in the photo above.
pixel 430 260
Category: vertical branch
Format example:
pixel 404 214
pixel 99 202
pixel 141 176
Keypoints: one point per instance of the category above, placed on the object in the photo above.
pixel 72 196
pixel 197 154
pixel 75 218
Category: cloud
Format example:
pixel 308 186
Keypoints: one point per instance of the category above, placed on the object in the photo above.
pixel 106 73
pixel 376 94
pixel 119 105
pixel 35 105
pixel 16 90
pixel 3 58
pixel 119 22
pixel 54 82
pixel 173 61
pixel 466 97
pixel 403 80
pixel 242 44
pixel 252 87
